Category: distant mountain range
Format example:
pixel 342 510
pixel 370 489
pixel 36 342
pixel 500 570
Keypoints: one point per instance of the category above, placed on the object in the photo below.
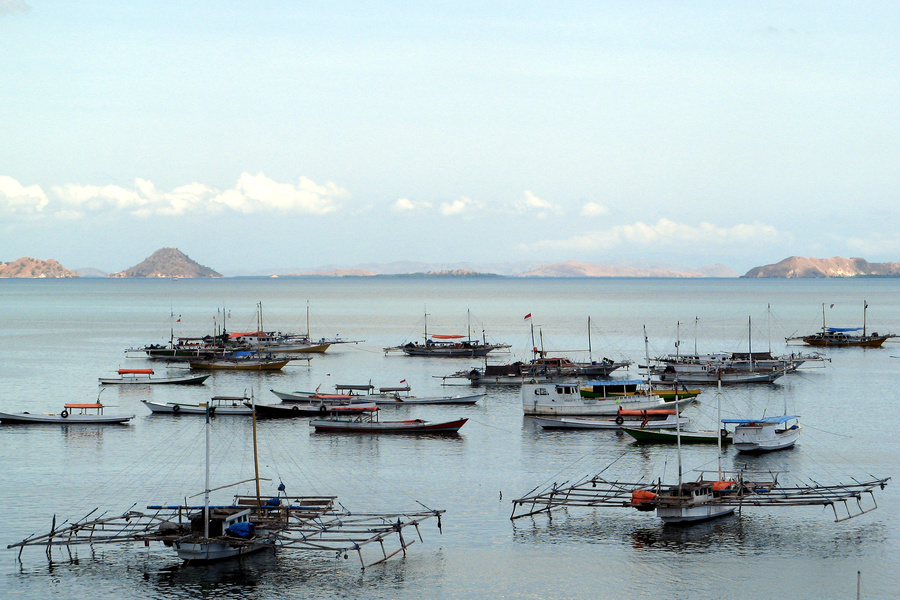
pixel 171 262
pixel 798 266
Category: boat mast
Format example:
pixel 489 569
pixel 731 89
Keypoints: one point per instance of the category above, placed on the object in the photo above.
pixel 719 422
pixel 750 340
pixel 865 307
pixel 206 486
pixel 255 458
pixel 590 358
pixel 678 340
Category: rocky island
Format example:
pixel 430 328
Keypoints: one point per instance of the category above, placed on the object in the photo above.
pixel 33 268
pixel 166 263
pixel 798 266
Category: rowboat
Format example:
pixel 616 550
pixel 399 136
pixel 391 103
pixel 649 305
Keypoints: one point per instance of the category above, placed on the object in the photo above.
pixel 71 414
pixel 368 423
pixel 218 405
pixel 145 377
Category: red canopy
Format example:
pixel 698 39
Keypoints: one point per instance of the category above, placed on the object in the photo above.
pixel 447 337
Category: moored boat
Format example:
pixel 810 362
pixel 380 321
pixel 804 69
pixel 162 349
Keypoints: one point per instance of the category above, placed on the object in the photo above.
pixel 72 414
pixel 293 411
pixel 368 422
pixel 765 434
pixel 565 399
pixel 642 419
pixel 218 405
pixel 145 377
pixel 670 436
pixel 843 337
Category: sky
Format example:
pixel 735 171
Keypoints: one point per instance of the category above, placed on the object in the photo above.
pixel 294 134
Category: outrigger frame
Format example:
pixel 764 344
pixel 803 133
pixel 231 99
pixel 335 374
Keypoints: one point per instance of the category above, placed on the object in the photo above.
pixel 304 523
pixel 596 491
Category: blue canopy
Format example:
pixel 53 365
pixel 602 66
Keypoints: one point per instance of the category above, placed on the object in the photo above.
pixel 781 419
pixel 842 329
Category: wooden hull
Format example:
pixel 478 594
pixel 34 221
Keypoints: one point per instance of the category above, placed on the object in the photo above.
pixel 848 342
pixel 239 365
pixel 186 380
pixel 36 419
pixel 209 551
pixel 275 411
pixel 692 514
pixel 406 400
pixel 410 426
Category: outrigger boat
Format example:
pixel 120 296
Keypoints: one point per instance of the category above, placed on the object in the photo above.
pixel 447 346
pixel 145 377
pixel 72 414
pixel 206 533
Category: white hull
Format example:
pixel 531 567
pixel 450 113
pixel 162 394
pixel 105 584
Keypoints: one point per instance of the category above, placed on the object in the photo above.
pixel 692 514
pixel 206 552
pixel 582 423
pixel 779 442
pixel 188 379
pixel 566 400
pixel 383 400
pixel 28 418
pixel 173 408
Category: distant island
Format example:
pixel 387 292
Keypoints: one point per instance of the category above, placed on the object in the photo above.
pixel 33 268
pixel 167 262
pixel 798 266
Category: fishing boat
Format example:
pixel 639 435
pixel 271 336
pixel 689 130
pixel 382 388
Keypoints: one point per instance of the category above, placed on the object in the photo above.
pixel 145 377
pixel 677 435
pixel 447 346
pixel 206 533
pixel 614 387
pixel 565 399
pixel 400 395
pixel 843 337
pixel 294 411
pixel 766 434
pixel 241 362
pixel 368 422
pixel 516 374
pixel 218 405
pixel 73 413
pixel 642 419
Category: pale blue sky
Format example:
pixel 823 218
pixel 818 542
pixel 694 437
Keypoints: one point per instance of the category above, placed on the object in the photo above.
pixel 297 134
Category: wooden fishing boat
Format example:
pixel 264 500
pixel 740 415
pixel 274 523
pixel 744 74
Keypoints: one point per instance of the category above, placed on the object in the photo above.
pixel 565 399
pixel 447 346
pixel 843 337
pixel 368 422
pixel 218 405
pixel 642 419
pixel 670 436
pixel 241 361
pixel 766 434
pixel 145 377
pixel 294 411
pixel 71 414
pixel 396 396
pixel 611 388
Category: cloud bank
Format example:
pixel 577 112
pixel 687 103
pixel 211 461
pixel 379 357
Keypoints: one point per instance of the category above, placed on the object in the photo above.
pixel 251 194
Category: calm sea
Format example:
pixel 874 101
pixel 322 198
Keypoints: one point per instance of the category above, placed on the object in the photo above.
pixel 58 337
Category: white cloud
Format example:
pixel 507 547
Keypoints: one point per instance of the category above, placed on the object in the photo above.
pixel 407 205
pixel 251 194
pixel 16 198
pixel 537 207
pixel 593 209
pixel 258 193
pixel 460 206
pixel 665 232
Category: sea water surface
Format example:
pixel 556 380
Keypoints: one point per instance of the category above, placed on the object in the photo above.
pixel 58 336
